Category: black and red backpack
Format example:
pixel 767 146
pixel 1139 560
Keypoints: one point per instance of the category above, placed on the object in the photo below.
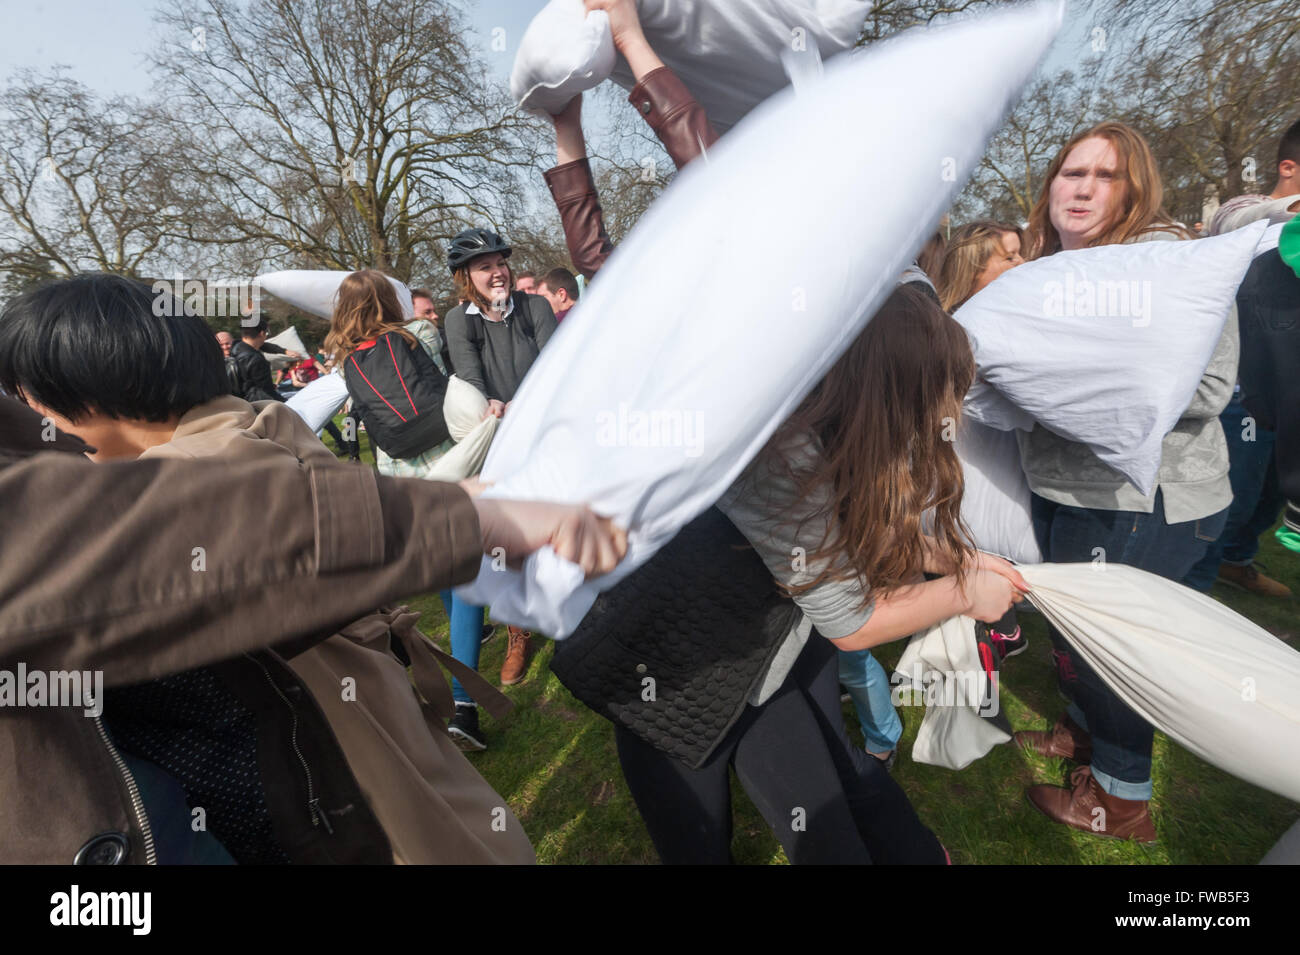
pixel 398 391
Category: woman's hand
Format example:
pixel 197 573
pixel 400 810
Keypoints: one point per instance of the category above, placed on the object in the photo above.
pixel 573 531
pixel 997 565
pixel 624 23
pixel 989 595
pixel 495 409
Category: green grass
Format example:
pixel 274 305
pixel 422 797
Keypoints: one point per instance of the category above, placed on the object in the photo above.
pixel 554 761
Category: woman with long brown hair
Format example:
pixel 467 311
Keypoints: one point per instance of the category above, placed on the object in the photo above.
pixel 367 307
pixel 1104 188
pixel 833 506
pixel 977 253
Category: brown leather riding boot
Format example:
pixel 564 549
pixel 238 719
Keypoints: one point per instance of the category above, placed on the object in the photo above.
pixel 517 654
pixel 1089 808
pixel 1066 739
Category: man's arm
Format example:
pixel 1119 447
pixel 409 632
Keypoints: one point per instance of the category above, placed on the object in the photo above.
pixel 143 568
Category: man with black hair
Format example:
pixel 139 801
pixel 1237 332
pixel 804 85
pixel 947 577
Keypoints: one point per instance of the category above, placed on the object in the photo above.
pixel 1280 204
pixel 559 287
pixel 223 667
pixel 254 369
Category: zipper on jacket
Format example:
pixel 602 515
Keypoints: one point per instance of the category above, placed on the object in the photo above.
pixel 313 801
pixel 137 804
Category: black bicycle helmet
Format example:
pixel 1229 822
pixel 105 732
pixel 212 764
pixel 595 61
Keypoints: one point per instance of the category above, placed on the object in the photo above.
pixel 471 243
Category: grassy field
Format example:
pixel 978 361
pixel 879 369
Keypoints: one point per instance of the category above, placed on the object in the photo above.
pixel 554 762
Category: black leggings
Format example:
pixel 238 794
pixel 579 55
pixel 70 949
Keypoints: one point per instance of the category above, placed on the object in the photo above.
pixel 826 800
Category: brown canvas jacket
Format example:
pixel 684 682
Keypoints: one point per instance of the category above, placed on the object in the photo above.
pixel 99 573
pixel 681 125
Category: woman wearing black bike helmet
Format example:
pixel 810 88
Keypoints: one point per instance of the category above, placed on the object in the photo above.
pixel 494 335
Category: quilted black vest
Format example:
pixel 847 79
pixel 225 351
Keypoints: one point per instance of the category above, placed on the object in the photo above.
pixel 674 651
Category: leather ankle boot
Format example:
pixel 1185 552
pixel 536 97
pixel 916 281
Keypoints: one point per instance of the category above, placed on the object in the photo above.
pixel 1089 808
pixel 1067 739
pixel 518 651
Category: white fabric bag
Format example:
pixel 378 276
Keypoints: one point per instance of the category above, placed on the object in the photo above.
pixel 647 407
pixel 996 501
pixel 1206 677
pixel 463 409
pixel 728 52
pixel 943 663
pixel 1106 346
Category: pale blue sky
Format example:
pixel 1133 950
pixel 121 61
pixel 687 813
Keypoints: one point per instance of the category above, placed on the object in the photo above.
pixel 107 43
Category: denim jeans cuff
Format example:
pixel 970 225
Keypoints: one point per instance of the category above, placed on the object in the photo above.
pixel 1121 789
pixel 1238 563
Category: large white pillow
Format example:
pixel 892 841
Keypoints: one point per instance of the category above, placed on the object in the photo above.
pixel 727 52
pixel 313 290
pixel 565 51
pixel 648 406
pixel 1106 346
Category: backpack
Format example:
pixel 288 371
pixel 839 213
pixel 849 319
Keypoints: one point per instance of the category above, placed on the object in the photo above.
pixel 398 391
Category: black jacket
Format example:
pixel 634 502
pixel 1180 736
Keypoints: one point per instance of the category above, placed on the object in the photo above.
pixel 1268 308
pixel 254 373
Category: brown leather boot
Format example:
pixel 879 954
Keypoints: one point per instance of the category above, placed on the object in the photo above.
pixel 1066 739
pixel 1249 578
pixel 517 653
pixel 1089 808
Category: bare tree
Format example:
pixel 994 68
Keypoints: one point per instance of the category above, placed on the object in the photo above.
pixel 84 182
pixel 338 133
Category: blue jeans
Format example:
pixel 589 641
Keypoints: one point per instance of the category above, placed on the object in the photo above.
pixel 466 637
pixel 867 683
pixel 1256 499
pixel 1121 740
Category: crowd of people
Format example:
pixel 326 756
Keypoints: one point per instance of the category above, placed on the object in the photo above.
pixel 228 640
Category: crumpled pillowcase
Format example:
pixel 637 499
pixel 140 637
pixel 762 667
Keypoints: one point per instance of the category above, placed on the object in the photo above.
pixel 314 290
pixel 1105 346
pixel 727 52
pixel 647 414
pixel 565 51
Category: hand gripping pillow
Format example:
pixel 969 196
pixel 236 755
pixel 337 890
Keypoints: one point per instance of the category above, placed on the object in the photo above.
pixel 1106 346
pixel 564 52
pixel 313 290
pixel 727 52
pixel 647 407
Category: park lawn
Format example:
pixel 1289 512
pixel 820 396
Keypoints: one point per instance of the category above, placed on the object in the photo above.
pixel 554 762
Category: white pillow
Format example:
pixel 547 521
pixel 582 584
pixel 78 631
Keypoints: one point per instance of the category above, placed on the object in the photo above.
pixel 996 502
pixel 565 51
pixel 289 340
pixel 727 52
pixel 313 290
pixel 648 407
pixel 1118 373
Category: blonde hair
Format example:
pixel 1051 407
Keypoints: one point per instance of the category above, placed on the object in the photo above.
pixel 969 250
pixel 366 307
pixel 1136 206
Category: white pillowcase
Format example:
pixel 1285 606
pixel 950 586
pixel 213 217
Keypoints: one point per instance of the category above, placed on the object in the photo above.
pixel 996 502
pixel 1106 346
pixel 648 406
pixel 313 290
pixel 565 51
pixel 727 52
